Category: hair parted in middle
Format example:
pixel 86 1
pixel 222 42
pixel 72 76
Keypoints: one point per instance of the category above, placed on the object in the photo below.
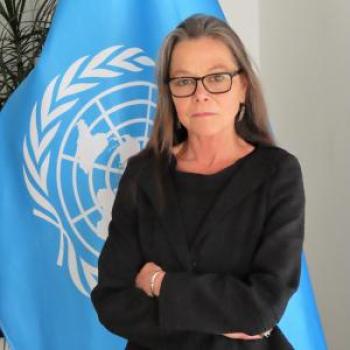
pixel 253 127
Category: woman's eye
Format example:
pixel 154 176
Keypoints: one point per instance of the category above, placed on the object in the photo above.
pixel 183 82
pixel 216 78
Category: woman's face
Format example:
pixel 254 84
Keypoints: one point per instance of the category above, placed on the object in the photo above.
pixel 205 113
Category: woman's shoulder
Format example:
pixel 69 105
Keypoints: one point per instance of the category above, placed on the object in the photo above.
pixel 284 162
pixel 278 153
pixel 138 161
pixel 144 163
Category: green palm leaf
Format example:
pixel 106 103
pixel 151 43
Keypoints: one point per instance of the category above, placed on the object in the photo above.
pixel 23 30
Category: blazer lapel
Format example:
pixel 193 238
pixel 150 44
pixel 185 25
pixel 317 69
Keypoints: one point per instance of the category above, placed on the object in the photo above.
pixel 252 172
pixel 169 215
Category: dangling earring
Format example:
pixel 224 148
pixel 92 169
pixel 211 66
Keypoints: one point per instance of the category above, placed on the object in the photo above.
pixel 178 124
pixel 241 111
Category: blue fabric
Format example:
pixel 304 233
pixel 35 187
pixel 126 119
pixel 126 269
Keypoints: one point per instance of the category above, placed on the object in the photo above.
pixel 301 322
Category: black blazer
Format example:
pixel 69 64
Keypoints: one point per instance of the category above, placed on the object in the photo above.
pixel 237 277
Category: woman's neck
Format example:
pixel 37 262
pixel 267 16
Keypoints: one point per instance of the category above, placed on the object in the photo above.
pixel 209 152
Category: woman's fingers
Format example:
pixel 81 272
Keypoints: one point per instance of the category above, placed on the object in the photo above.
pixel 244 336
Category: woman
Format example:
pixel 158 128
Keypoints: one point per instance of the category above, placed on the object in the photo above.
pixel 204 246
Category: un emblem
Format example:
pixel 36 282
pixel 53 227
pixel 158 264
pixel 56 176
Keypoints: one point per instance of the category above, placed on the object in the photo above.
pixel 90 120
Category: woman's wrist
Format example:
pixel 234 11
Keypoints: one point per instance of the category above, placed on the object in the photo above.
pixel 153 279
pixel 157 282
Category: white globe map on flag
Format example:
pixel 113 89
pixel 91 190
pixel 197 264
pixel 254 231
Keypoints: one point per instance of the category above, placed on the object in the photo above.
pixel 86 156
pixel 100 154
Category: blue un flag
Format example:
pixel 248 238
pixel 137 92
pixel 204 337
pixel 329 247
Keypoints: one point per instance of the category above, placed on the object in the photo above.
pixel 65 136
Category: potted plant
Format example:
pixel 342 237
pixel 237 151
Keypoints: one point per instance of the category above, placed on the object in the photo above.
pixel 23 28
pixel 24 25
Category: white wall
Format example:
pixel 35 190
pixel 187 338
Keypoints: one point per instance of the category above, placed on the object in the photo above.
pixel 304 55
pixel 244 18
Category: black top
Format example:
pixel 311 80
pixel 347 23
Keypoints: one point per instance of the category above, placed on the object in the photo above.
pixel 197 192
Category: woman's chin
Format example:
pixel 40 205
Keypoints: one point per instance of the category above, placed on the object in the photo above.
pixel 207 131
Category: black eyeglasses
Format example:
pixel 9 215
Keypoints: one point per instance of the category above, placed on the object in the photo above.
pixel 215 83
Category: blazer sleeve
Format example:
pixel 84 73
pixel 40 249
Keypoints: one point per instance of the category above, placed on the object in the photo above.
pixel 121 307
pixel 221 303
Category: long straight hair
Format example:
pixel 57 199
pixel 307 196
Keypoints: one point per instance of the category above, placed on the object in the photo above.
pixel 253 127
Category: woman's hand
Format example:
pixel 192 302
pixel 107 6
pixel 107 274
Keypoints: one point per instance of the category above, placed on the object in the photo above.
pixel 244 336
pixel 144 277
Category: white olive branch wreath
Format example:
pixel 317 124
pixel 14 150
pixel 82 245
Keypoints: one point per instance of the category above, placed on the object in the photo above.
pixel 61 94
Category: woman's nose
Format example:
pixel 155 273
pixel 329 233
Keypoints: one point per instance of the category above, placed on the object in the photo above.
pixel 201 92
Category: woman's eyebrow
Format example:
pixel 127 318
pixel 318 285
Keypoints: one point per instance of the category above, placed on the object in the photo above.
pixel 188 73
pixel 181 71
pixel 219 66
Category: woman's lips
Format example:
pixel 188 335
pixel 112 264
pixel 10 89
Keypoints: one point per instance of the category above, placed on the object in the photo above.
pixel 202 114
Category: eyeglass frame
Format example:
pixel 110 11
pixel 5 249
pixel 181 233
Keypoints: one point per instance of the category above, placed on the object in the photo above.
pixel 231 74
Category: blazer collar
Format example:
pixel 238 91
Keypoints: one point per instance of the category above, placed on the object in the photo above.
pixel 253 170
